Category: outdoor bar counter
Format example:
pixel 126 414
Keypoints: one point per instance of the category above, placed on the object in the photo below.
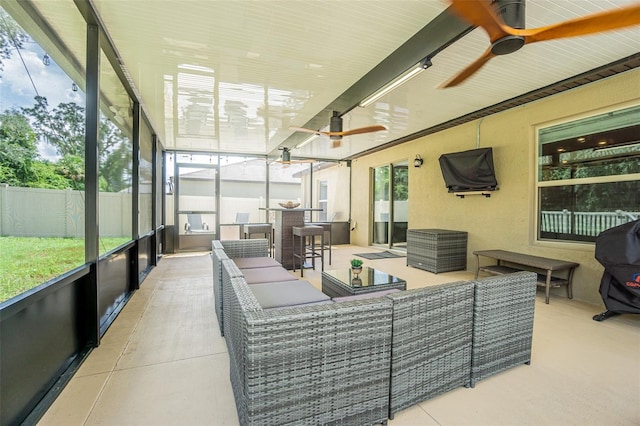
pixel 286 219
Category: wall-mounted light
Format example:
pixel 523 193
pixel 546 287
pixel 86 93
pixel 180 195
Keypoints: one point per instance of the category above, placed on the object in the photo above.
pixel 417 162
pixel 46 60
pixel 398 81
pixel 74 87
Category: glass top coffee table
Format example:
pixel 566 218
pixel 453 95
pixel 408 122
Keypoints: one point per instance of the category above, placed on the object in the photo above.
pixel 343 282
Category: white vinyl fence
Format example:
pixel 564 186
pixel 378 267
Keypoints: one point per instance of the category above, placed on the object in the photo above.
pixel 584 223
pixel 36 212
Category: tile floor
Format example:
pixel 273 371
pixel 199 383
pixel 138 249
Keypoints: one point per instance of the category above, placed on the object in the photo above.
pixel 163 362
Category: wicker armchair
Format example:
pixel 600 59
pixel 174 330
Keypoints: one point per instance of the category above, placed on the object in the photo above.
pixel 217 256
pixel 432 342
pixel 502 323
pixel 308 365
pixel 224 250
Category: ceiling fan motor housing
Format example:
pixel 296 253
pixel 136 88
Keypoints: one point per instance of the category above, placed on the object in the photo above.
pixel 286 155
pixel 512 13
pixel 335 126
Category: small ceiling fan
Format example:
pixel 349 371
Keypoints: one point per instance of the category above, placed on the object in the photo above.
pixel 286 158
pixel 336 133
pixel 506 39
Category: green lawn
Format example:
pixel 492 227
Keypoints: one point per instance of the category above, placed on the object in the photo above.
pixel 28 262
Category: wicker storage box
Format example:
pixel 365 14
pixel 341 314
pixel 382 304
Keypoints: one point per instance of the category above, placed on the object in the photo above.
pixel 437 250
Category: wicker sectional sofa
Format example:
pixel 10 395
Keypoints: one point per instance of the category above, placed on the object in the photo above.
pixel 337 361
pixel 309 363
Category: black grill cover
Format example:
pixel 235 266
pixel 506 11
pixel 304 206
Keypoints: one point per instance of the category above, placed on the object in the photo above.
pixel 618 250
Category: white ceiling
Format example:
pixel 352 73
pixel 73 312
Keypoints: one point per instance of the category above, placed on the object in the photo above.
pixel 233 75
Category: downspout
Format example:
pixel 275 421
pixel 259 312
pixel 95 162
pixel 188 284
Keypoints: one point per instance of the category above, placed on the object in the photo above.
pixel 478 132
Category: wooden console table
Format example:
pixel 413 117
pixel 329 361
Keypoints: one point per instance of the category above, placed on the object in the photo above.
pixel 520 262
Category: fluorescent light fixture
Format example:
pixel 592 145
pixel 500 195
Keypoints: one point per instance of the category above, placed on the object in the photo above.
pixel 306 141
pixel 398 81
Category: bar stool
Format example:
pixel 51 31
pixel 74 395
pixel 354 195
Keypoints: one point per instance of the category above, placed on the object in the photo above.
pixel 302 232
pixel 249 229
pixel 326 227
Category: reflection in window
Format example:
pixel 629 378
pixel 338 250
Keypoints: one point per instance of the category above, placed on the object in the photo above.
pixel 115 149
pixel 286 184
pixel 145 182
pixel 195 104
pixel 589 175
pixel 41 158
pixel 169 188
pixel 243 189
pixel 323 194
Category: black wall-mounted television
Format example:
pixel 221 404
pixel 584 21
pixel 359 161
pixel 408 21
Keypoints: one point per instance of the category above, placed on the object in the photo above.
pixel 469 170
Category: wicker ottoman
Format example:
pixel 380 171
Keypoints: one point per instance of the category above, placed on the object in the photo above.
pixel 437 250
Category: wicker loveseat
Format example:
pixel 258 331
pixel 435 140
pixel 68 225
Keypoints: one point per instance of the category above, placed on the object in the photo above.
pixel 456 334
pixel 360 362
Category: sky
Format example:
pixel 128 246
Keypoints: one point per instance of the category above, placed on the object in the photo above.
pixel 16 89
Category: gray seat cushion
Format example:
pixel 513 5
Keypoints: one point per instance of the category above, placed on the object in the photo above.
pixel 255 262
pixel 287 293
pixel 267 275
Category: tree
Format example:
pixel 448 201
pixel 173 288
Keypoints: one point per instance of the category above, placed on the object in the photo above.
pixel 72 168
pixel 18 148
pixel 47 175
pixel 115 151
pixel 11 36
pixel 63 127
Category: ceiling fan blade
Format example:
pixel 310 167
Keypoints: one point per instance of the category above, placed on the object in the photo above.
pixel 468 71
pixel 590 24
pixel 481 14
pixel 302 129
pixel 360 130
pixel 302 161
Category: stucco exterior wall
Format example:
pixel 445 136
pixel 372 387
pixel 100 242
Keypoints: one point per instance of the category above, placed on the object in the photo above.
pixel 506 220
pixel 338 191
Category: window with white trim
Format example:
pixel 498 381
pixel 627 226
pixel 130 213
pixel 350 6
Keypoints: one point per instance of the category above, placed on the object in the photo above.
pixel 323 200
pixel 588 175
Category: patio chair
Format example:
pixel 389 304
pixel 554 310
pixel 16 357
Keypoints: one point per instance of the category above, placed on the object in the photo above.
pixel 242 218
pixel 195 224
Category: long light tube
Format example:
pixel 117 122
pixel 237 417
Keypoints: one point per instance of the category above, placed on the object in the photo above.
pixel 307 141
pixel 401 79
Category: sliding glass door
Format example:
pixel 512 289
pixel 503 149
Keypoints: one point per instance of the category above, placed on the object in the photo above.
pixel 400 204
pixel 390 205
